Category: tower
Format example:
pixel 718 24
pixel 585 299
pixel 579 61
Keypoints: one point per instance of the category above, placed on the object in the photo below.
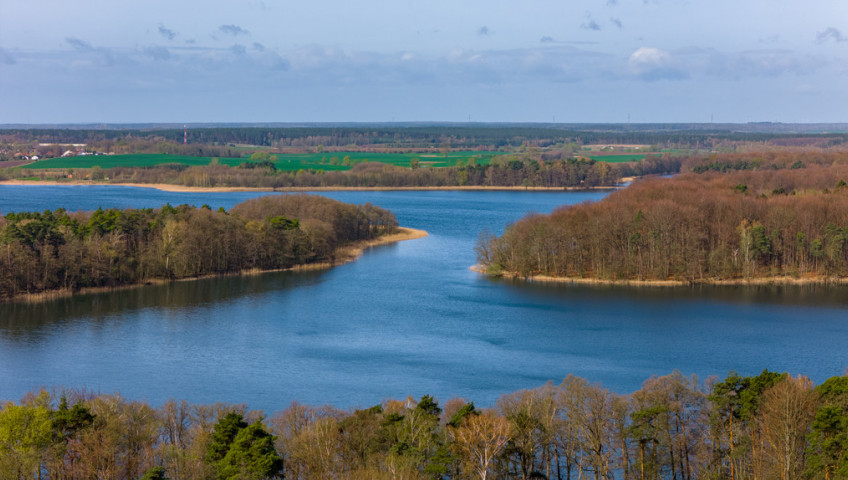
pixel 185 135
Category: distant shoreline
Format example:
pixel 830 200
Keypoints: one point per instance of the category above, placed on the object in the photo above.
pixel 167 187
pixel 344 255
pixel 754 281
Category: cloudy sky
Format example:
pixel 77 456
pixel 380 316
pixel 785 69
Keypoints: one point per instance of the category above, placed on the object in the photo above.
pixel 64 61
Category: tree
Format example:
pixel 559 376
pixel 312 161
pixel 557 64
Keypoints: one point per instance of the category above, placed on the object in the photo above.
pixel 785 415
pixel 251 456
pixel 827 453
pixel 479 440
pixel 25 435
pixel 243 452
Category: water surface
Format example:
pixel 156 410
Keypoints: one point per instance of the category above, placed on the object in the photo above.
pixel 405 319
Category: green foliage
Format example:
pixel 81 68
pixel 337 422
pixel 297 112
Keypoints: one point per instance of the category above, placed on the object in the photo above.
pixel 429 406
pixel 67 422
pixel 464 411
pixel 717 166
pixel 282 223
pixel 827 451
pixel 251 455
pixel 223 435
pixel 24 433
pixel 154 473
pixel 740 396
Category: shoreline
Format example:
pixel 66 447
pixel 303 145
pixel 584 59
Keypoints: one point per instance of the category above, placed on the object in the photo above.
pixel 733 282
pixel 344 255
pixel 167 187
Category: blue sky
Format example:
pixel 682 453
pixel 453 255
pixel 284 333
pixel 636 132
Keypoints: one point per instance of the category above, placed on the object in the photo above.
pixel 491 61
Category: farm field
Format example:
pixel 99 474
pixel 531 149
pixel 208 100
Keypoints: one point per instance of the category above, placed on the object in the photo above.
pixel 619 158
pixel 286 162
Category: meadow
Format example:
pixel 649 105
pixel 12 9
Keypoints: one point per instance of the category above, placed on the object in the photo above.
pixel 286 162
pixel 618 158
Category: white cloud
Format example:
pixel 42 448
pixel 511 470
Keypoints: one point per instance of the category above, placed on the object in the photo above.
pixel 652 64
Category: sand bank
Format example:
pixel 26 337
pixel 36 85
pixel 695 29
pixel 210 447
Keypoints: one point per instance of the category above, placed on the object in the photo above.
pixel 182 188
pixel 757 281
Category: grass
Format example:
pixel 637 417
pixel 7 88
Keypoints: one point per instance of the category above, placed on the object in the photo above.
pixel 619 158
pixel 286 162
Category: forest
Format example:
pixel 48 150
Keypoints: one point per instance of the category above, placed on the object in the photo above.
pixel 735 217
pixel 424 136
pixel 60 250
pixel 766 426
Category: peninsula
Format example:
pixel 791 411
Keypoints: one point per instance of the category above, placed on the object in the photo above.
pixel 59 253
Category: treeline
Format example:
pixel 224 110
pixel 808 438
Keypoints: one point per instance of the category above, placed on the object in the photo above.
pixel 504 171
pixel 763 160
pixel 789 222
pixel 489 136
pixel 53 250
pixel 768 426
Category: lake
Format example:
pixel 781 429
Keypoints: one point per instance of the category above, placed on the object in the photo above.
pixel 405 319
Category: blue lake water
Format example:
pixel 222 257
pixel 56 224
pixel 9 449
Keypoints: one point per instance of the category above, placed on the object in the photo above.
pixel 405 319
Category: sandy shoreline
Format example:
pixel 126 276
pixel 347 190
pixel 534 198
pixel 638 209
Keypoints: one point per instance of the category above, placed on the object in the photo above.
pixel 759 281
pixel 344 255
pixel 167 187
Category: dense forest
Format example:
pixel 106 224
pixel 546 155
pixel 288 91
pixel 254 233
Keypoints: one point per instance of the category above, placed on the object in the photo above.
pixel 741 217
pixel 205 140
pixel 107 248
pixel 768 426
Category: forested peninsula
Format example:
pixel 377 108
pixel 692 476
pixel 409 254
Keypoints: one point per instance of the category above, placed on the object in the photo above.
pixel 735 218
pixel 60 251
pixel 766 426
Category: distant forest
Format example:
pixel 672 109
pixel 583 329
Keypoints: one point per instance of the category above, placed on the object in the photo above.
pixel 215 141
pixel 733 217
pixel 505 171
pixel 60 250
pixel 767 426
pixel 546 156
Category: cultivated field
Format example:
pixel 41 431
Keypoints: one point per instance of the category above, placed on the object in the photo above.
pixel 314 161
pixel 618 158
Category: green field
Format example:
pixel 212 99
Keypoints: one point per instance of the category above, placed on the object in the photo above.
pixel 628 157
pixel 286 162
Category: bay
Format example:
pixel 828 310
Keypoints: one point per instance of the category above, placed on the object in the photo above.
pixel 405 319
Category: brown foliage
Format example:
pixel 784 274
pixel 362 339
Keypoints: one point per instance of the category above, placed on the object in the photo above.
pixel 790 222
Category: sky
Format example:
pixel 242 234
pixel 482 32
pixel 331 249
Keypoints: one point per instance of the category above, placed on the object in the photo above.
pixel 568 61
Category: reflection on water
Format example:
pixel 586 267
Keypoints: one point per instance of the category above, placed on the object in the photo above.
pixel 816 295
pixel 20 318
pixel 405 319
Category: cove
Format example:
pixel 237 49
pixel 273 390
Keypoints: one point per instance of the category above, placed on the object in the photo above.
pixel 404 319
